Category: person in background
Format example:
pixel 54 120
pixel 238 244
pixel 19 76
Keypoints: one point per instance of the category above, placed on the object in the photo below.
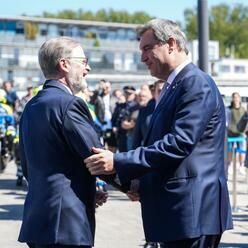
pixel 109 104
pixel 122 114
pixel 97 102
pixel 19 109
pixel 129 123
pixel 56 135
pixel 145 114
pixel 117 96
pixel 28 95
pixel 11 96
pixel 183 189
pixel 131 111
pixel 236 111
pixel 242 127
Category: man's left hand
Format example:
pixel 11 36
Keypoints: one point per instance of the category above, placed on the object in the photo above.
pixel 101 163
pixel 101 197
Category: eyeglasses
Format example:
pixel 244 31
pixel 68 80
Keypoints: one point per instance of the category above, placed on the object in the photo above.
pixel 82 60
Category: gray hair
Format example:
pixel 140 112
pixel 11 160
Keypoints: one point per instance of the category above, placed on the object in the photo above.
pixel 52 51
pixel 163 30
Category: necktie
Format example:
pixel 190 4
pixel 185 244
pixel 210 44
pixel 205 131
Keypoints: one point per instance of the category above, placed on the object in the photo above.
pixel 164 89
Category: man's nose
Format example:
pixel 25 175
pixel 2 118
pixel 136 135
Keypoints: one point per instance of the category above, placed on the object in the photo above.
pixel 88 68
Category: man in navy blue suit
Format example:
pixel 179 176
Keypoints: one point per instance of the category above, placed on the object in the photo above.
pixel 183 190
pixel 56 135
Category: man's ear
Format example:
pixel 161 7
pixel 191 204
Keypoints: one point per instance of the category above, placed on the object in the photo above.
pixel 63 65
pixel 172 43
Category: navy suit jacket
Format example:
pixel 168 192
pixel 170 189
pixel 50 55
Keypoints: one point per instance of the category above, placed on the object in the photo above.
pixel 183 186
pixel 56 135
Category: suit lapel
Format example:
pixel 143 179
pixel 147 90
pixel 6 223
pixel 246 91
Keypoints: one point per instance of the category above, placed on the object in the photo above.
pixel 56 84
pixel 167 96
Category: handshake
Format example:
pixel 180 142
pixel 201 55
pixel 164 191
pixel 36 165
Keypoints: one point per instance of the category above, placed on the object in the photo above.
pixel 102 163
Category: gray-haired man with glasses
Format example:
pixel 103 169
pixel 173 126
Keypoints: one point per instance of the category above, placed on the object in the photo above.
pixel 56 135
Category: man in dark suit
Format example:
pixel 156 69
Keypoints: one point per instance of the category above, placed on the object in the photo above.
pixel 183 189
pixel 56 134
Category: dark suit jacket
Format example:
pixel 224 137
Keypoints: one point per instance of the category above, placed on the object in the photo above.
pixel 183 187
pixel 56 135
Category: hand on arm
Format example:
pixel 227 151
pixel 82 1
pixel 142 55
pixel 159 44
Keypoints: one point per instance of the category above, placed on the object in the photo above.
pixel 101 163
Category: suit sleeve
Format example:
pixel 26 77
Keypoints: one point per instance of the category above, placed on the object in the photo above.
pixel 79 130
pixel 193 111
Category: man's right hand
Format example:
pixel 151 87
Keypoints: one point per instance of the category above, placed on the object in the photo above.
pixel 101 163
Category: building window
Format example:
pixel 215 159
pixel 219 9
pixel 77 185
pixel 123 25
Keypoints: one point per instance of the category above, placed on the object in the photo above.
pixel 43 32
pixel 225 68
pixel 10 75
pixel 239 69
pixel 19 28
pixel 10 26
pixel 61 32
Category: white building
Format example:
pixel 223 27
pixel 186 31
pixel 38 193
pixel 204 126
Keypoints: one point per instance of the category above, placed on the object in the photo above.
pixel 112 49
pixel 231 75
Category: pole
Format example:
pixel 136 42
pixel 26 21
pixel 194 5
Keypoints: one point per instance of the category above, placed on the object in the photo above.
pixel 203 34
pixel 234 188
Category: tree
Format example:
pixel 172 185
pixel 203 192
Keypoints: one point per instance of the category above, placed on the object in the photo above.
pixel 67 14
pixel 102 15
pixel 227 24
pixel 191 23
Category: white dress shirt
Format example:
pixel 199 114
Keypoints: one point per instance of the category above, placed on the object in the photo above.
pixel 68 89
pixel 171 78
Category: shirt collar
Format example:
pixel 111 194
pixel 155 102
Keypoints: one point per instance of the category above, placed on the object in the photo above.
pixel 69 90
pixel 176 71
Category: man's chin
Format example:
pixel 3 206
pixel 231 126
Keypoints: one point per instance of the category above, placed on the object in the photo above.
pixel 152 73
pixel 79 87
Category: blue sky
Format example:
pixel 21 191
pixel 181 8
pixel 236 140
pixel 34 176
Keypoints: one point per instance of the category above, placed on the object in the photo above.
pixel 159 8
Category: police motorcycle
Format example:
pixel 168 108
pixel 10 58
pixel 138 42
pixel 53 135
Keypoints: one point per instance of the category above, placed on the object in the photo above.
pixel 7 131
pixel 7 136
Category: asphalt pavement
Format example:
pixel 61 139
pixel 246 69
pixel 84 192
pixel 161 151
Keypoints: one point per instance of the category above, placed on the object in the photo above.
pixel 119 223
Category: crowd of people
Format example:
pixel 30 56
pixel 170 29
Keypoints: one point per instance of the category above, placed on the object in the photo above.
pixel 116 114
pixel 11 108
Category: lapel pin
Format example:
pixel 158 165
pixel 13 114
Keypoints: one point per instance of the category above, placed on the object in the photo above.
pixel 174 86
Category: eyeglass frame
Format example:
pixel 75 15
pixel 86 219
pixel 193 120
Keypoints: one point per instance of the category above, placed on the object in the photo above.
pixel 80 58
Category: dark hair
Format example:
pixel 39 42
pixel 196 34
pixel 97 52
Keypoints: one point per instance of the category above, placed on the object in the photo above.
pixel 129 87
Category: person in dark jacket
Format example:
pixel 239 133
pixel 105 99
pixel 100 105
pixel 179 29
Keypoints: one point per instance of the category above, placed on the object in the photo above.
pixel 183 189
pixel 56 135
